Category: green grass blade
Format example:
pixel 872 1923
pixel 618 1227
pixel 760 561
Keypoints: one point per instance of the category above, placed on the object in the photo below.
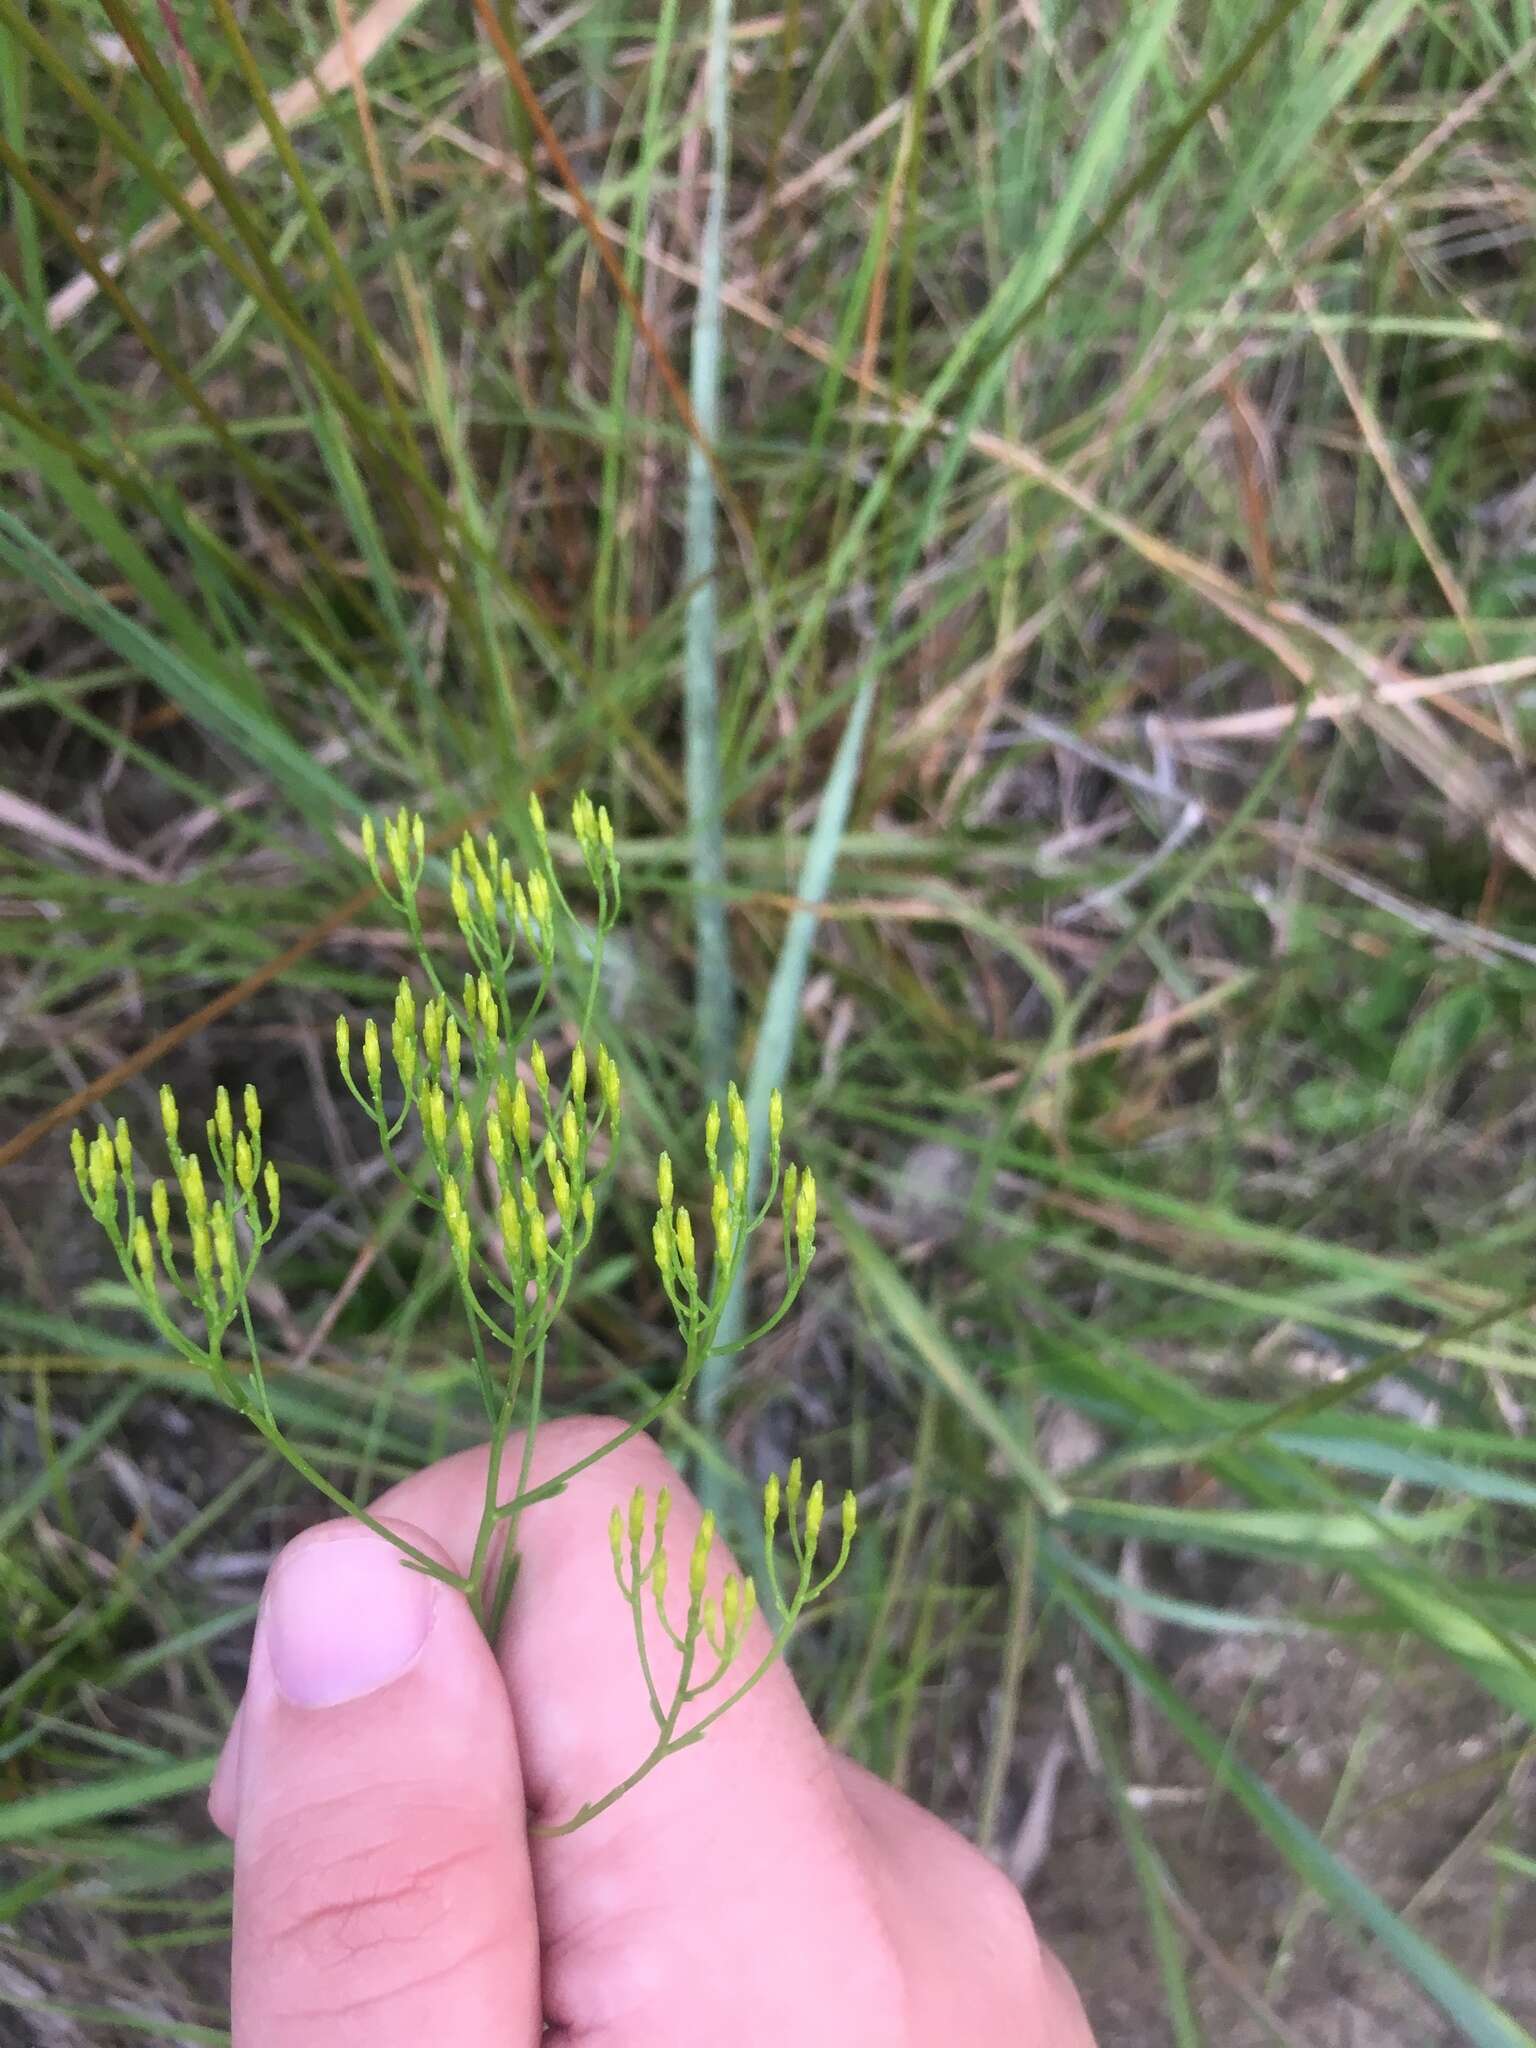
pixel 1481 2022
pixel 715 1001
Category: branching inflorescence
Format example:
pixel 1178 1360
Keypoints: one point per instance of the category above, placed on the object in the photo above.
pixel 512 1161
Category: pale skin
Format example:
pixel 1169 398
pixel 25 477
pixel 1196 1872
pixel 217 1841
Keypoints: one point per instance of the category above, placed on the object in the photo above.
pixel 386 1764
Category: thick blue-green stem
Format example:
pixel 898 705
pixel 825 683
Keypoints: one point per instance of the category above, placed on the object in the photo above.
pixel 714 999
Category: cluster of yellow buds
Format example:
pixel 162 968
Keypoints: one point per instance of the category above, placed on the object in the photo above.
pixel 720 1622
pixel 731 1226
pixel 479 1082
pixel 803 1514
pixel 592 829
pixel 491 905
pixel 224 1233
pixel 717 1624
pixel 405 844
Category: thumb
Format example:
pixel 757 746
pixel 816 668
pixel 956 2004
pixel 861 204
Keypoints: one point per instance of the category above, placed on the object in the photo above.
pixel 382 1886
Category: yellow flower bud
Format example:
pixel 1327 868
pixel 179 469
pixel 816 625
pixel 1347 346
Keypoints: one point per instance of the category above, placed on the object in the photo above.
pixel 143 1252
pixel 343 1044
pixel 122 1146
pixel 457 1222
pixel 224 1121
pixel 570 1135
pixel 612 1089
pixel 101 1166
pixel 463 1130
pixel 536 819
pixel 453 1047
pixel 522 1118
pixel 663 1511
pixel 815 1509
pixel 394 842
pixel 775 1121
pixel 739 1175
pixel 605 829
pixel 223 1233
pixel 274 1193
pixel 511 1232
pixel 637 1514
pixel 771 1504
pixel 370 844
pixel 712 1135
pixel 538 1242
pixel 508 886
pixel 192 1190
pixel 373 1065
pixel 805 1216
pixel 202 1252
pixel 579 1076
pixel 698 1564
pixel 485 894
pixel 664 1188
pixel 560 1188
pixel 77 1153
pixel 160 1209
pixel 490 1016
pixel 616 1540
pixel 403 1046
pixel 683 1231
pixel 419 836
pixel 740 1132
pixel 661 1243
pixel 245 1163
pixel 730 1603
pixel 539 901
pixel 850 1517
pixel 583 822
pixel 540 1067
pixel 792 1485
pixel 458 895
pixel 496 1141
pixel 432 1018
pixel 588 1209
pixel 252 1108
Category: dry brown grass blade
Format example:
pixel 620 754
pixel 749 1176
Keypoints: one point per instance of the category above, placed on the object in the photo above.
pixel 1408 729
pixel 20 814
pixel 1264 720
pixel 295 104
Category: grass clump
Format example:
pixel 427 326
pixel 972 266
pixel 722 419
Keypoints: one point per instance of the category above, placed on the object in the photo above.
pixel 1108 569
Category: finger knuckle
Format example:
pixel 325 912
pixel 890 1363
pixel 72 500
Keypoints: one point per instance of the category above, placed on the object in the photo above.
pixel 365 1921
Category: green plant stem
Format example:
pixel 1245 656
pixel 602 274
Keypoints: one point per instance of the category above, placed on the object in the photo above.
pixel 714 999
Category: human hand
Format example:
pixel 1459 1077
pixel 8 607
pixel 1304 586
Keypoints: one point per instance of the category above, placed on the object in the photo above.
pixel 385 1765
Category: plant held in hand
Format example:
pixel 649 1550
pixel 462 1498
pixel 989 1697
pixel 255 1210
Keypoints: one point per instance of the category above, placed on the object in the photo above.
pixel 512 1162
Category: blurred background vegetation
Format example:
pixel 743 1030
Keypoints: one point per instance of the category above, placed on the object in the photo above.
pixel 1045 485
